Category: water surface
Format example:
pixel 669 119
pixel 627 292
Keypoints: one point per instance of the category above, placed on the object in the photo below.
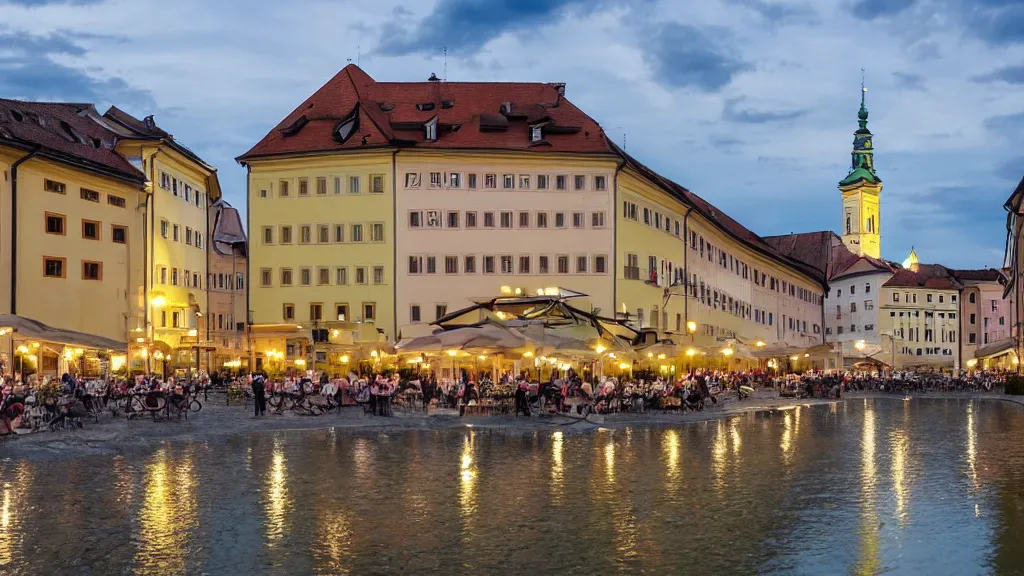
pixel 861 487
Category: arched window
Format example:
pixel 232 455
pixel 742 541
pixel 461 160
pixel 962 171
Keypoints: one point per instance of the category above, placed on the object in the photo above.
pixel 847 224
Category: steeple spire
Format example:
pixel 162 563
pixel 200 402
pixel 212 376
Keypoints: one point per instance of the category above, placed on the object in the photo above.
pixel 863 158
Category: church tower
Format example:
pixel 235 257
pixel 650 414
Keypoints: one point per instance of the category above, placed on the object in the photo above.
pixel 861 191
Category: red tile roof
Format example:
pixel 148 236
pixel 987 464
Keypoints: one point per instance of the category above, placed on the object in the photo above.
pixel 146 129
pixel 982 275
pixel 824 251
pixel 927 276
pixel 470 115
pixel 66 133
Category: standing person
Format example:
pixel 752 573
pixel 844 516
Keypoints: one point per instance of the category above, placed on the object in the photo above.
pixel 259 393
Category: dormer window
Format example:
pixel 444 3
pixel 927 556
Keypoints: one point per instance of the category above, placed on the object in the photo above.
pixel 347 127
pixel 431 129
pixel 536 134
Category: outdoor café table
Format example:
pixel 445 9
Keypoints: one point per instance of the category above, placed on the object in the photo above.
pixel 383 405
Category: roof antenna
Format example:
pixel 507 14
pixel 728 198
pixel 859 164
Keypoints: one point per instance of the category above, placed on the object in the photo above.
pixel 445 77
pixel 863 89
pixel 359 53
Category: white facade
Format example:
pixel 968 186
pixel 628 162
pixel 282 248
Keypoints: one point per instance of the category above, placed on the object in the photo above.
pixel 852 309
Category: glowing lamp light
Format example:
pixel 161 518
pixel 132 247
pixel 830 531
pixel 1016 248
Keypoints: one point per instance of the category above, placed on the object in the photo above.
pixel 193 332
pixel 158 355
pixel 794 358
pixel 140 340
pixel 759 344
pixel 612 355
pixel 623 366
pixel 661 356
pixel 143 352
pixel 807 355
pixel 23 349
pixel 452 352
pixel 727 351
pixel 600 349
pixel 68 354
pixel 506 289
pixel 519 291
pixel 78 351
pixel 972 362
pixel 334 333
pixel 344 359
pixel 859 345
pixel 691 326
pixel 158 301
pixel 527 354
pixel 300 362
pixel 117 362
pixel 373 353
pixel 540 291
pixel 691 352
pixel 298 327
pixel 553 291
pixel 650 354
pixel 35 344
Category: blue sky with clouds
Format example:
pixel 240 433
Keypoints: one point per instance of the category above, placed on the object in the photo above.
pixel 750 103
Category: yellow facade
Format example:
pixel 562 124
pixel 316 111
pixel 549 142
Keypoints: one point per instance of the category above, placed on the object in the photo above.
pixel 321 241
pixel 920 327
pixel 97 212
pixel 862 232
pixel 181 190
pixel 711 279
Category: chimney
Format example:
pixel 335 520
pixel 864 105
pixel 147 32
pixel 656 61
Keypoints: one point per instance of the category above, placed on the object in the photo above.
pixel 433 78
pixel 148 121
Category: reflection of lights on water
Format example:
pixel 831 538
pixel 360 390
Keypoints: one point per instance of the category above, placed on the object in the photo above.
pixel 10 522
pixel 467 477
pixel 277 490
pixel 899 446
pixel 972 452
pixel 718 456
pixel 786 443
pixel 557 470
pixel 735 430
pixel 670 445
pixel 609 460
pixel 167 517
pixel 869 561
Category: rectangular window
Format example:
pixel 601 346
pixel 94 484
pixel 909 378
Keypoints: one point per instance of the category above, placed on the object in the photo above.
pixel 119 234
pixel 524 219
pixel 563 264
pixel 469 265
pixel 508 181
pixel 176 235
pixel 305 276
pixel 90 229
pixel 164 224
pixel 360 275
pixel 288 312
pixel 559 219
pixel 378 274
pixel 188 235
pixel 440 310
pixel 357 233
pixel 581 182
pixel 377 232
pixel 542 265
pixel 268 235
pixel 453 219
pixel 323 276
pixel 471 181
pixel 376 184
pixel 600 264
pixel 265 274
pixel 577 220
pixel 414 313
pixel 506 264
pixel 581 264
pixel 415 264
pixel 524 182
pixel 369 311
pixel 90 195
pixel 303 187
pixel 597 220
pixel 415 219
pixel 341 276
pixel 55 224
pixel 599 183
pixel 54 186
pixel 455 180
pixel 524 264
pixel 542 219
pixel 435 179
pixel 286 277
pixel 53 267
pixel 542 181
pixel 353 184
pixel 431 265
pixel 451 264
pixel 412 180
pixel 490 180
pixel 92 270
pixel 470 219
pixel 560 181
pixel 163 275
pixel 488 264
pixel 339 233
pixel 506 219
pixel 323 234
pixel 488 219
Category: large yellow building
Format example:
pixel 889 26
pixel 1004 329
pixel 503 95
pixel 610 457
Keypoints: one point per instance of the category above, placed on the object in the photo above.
pixel 181 187
pixel 861 191
pixel 391 204
pixel 72 221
